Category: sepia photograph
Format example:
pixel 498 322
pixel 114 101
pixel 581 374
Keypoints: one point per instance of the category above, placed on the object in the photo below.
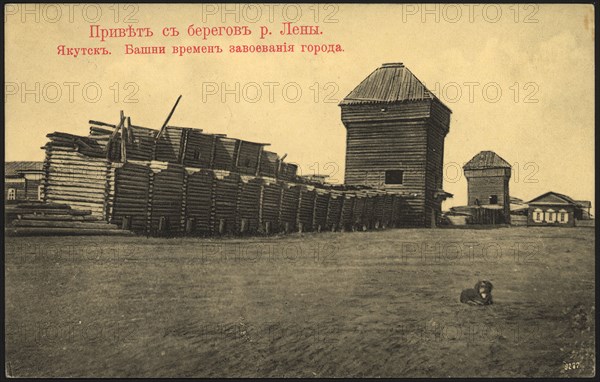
pixel 290 190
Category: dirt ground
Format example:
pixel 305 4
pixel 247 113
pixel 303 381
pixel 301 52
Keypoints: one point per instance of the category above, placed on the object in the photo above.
pixel 363 304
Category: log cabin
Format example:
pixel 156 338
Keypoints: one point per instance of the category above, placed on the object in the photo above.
pixel 395 131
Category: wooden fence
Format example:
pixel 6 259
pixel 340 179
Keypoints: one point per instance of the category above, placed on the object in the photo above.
pixel 161 198
pixel 162 189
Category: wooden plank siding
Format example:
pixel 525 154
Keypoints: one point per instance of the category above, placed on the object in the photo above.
pixel 434 171
pixel 401 136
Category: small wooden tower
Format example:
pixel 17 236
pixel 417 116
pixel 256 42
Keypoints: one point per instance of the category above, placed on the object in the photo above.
pixel 395 131
pixel 488 176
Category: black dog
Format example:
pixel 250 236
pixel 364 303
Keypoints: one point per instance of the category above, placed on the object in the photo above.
pixel 481 294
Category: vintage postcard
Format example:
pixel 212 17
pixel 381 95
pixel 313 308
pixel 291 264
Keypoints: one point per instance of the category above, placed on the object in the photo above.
pixel 299 190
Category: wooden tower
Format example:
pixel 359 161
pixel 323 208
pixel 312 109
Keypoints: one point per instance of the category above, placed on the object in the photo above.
pixel 487 178
pixel 395 131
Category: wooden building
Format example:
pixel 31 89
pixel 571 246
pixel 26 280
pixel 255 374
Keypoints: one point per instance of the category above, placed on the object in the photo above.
pixel 554 209
pixel 488 176
pixel 585 206
pixel 23 181
pixel 395 131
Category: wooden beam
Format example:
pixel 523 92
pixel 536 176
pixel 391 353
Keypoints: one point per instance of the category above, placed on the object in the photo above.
pixel 237 154
pixel 102 124
pixel 258 161
pixel 168 118
pixel 114 134
pixel 124 142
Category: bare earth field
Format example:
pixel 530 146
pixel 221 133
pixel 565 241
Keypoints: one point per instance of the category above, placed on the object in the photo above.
pixel 364 304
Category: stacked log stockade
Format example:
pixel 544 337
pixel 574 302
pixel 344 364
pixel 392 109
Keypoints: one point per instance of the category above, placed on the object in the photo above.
pixel 306 208
pixel 130 196
pixel 271 202
pixel 224 200
pixel 166 198
pixel 321 206
pixel 182 181
pixel 289 206
pixel 248 207
pixel 76 173
pixel 198 201
pixel 334 212
pixel 347 213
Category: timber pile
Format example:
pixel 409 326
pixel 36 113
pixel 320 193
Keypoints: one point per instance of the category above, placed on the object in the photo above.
pixel 249 205
pixel 39 218
pixel 75 173
pixel 335 211
pixel 269 162
pixel 387 209
pixel 247 157
pixel 289 207
pixel 321 208
pixel 369 211
pixel 271 200
pixel 397 211
pixel 166 199
pixel 224 154
pixel 198 201
pixel 198 150
pixel 288 171
pixel 225 201
pixel 358 214
pixel 347 214
pixel 140 143
pixel 306 208
pixel 130 198
pixel 168 145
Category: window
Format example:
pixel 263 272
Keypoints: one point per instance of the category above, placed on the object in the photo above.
pixel 12 194
pixel 550 216
pixel 538 215
pixel 197 154
pixel 493 199
pixel 563 216
pixel 394 176
pixel 40 192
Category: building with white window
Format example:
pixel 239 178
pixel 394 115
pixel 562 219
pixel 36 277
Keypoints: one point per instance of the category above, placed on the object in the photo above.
pixel 23 181
pixel 554 209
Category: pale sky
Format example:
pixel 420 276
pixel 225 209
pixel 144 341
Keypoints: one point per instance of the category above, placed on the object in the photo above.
pixel 549 139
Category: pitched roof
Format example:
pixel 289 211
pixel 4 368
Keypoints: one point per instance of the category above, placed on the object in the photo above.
pixel 13 168
pixel 389 83
pixel 486 159
pixel 552 197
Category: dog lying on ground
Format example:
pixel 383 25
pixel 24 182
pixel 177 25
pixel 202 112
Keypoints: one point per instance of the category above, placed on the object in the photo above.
pixel 481 294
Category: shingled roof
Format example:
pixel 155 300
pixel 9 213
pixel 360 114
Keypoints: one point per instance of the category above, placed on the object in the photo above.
pixel 486 159
pixel 14 168
pixel 389 83
pixel 553 198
